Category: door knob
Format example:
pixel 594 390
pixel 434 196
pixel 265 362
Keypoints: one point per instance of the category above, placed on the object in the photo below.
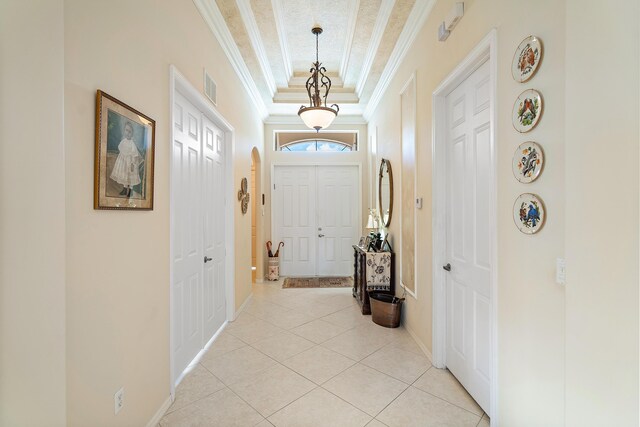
pixel 320 235
pixel 447 267
pixel 206 258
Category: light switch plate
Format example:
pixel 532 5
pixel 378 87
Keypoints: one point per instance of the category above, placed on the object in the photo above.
pixel 118 400
pixel 419 203
pixel 561 271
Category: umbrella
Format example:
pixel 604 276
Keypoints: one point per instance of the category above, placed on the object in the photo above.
pixel 278 250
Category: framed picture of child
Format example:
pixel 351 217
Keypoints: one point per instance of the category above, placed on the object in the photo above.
pixel 125 145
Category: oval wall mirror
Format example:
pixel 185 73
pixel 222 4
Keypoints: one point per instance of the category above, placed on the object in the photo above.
pixel 385 192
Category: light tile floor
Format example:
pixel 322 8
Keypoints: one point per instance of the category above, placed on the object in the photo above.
pixel 307 357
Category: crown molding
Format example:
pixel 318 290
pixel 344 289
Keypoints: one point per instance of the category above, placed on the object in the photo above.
pixel 295 120
pixel 412 27
pixel 351 28
pixel 376 37
pixel 214 19
pixel 302 97
pixel 282 37
pixel 251 25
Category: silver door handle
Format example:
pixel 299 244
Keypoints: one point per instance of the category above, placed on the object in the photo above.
pixel 206 258
pixel 320 235
pixel 447 267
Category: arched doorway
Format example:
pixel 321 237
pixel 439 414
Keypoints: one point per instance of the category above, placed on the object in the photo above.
pixel 257 270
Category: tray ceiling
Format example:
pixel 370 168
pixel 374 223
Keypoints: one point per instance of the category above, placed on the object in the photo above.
pixel 362 43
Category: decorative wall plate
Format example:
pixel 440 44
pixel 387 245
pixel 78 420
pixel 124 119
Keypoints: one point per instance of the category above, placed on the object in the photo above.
pixel 528 213
pixel 527 110
pixel 528 161
pixel 526 59
pixel 243 196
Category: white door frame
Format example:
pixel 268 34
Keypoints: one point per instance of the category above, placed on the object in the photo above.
pixel 313 163
pixel 485 50
pixel 179 83
pixel 412 80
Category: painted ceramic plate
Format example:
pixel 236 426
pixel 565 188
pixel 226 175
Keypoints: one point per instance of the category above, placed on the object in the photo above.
pixel 528 161
pixel 527 110
pixel 526 59
pixel 528 213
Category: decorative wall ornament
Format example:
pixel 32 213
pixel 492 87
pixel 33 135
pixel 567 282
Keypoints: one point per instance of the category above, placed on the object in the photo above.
pixel 124 151
pixel 526 59
pixel 527 110
pixel 528 213
pixel 243 196
pixel 528 161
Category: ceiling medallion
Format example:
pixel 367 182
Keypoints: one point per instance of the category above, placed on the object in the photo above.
pixel 318 116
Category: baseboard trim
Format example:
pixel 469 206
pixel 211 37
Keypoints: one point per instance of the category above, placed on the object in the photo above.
pixel 244 304
pixel 158 415
pixel 423 347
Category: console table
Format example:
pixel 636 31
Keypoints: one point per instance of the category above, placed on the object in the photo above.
pixel 360 282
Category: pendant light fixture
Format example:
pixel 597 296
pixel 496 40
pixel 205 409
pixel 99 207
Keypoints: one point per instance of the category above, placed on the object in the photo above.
pixel 318 116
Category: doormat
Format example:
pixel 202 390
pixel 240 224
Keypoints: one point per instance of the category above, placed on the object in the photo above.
pixel 318 282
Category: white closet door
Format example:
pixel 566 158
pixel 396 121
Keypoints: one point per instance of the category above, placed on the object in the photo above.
pixel 468 235
pixel 213 204
pixel 338 222
pixel 187 235
pixel 294 220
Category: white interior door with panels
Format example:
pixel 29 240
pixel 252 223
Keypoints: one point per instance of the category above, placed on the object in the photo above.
pixel 316 213
pixel 468 237
pixel 294 219
pixel 187 234
pixel 338 223
pixel 214 228
pixel 198 301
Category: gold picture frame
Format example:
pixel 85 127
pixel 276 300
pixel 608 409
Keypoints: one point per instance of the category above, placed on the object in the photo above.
pixel 124 156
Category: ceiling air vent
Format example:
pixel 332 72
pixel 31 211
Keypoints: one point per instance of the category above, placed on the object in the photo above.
pixel 210 88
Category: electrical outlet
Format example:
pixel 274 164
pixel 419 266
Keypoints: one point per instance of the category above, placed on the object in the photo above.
pixel 118 400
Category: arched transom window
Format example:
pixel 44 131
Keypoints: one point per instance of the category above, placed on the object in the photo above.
pixel 312 141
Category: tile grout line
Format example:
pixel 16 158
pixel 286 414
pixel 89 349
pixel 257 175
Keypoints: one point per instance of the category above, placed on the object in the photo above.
pixel 261 371
pixel 374 416
pixel 320 385
pixel 248 404
pixel 403 392
pixel 445 400
pixel 389 375
pixel 350 404
pixel 194 402
pixel 292 402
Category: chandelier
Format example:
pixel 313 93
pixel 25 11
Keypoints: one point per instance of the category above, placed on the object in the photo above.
pixel 317 115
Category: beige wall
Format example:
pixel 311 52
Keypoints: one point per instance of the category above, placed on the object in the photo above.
pixel 602 212
pixel 32 224
pixel 530 304
pixel 281 158
pixel 118 262
pixel 255 208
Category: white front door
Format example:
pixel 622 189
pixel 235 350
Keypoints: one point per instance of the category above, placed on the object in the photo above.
pixel 338 224
pixel 213 203
pixel 469 193
pixel 198 301
pixel 186 234
pixel 316 214
pixel 295 219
